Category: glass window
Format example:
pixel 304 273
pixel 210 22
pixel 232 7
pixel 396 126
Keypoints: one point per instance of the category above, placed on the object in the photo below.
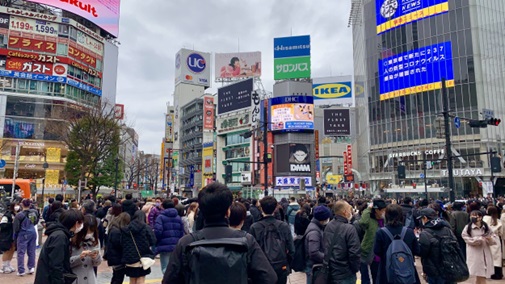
pixel 62 49
pixel 22 84
pixel 63 29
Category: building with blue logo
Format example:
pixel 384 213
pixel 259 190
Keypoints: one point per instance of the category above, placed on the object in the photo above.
pixel 403 51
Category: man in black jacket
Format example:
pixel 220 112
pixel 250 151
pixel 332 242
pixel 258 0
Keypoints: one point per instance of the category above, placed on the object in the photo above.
pixel 54 259
pixel 214 203
pixel 408 212
pixel 255 211
pixel 345 252
pixel 314 238
pixel 284 237
pixel 430 256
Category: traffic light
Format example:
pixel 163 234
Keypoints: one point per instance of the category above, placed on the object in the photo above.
pixel 493 121
pixel 228 173
pixel 401 172
pixel 246 135
pixel 495 164
pixel 478 123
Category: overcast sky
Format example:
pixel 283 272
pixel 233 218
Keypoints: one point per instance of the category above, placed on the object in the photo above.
pixel 152 31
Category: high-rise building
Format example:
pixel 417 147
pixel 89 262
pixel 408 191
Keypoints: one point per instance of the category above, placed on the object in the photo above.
pixel 55 60
pixel 403 50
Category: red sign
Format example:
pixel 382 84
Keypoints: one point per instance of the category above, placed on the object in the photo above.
pixel 345 163
pixel 349 159
pixel 316 136
pixel 26 65
pixel 32 44
pixel 119 111
pixel 208 113
pixel 81 56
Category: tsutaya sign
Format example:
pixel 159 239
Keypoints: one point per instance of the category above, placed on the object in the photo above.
pixel 470 172
pixel 417 153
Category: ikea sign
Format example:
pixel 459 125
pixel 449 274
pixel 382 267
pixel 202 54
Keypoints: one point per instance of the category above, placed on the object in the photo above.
pixel 338 90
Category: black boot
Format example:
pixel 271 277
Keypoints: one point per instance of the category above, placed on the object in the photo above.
pixel 498 273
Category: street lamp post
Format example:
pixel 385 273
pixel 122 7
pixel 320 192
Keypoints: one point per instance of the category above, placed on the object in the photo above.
pixel 116 160
pixel 156 178
pixel 44 166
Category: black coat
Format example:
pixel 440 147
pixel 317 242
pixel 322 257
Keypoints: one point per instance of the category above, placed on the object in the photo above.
pixel 314 249
pixel 258 268
pixel 302 221
pixel 430 255
pixel 6 231
pixel 54 259
pixel 382 242
pixel 346 252
pixel 113 251
pixel 255 212
pixel 54 217
pixel 249 220
pixel 144 240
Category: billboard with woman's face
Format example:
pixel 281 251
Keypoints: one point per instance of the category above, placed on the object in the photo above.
pixel 237 65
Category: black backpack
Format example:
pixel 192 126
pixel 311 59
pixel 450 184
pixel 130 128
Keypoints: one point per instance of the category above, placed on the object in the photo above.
pixel 216 261
pixel 298 263
pixel 274 247
pixel 452 265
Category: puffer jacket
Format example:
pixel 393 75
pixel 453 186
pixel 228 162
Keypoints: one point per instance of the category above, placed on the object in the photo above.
pixel 291 212
pixel 168 230
pixel 314 242
pixel 430 250
pixel 370 226
pixel 144 240
pixel 6 231
pixel 345 253
pixel 114 250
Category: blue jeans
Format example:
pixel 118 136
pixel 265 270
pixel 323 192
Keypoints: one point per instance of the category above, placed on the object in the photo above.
pixel 365 275
pixel 308 272
pixel 26 243
pixel 164 259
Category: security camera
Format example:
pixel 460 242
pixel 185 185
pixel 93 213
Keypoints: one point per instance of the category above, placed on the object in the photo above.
pixel 272 146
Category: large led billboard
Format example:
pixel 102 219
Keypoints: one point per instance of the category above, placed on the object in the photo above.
pixel 394 13
pixel 416 71
pixel 104 13
pixel 234 97
pixel 292 57
pixel 291 114
pixel 237 65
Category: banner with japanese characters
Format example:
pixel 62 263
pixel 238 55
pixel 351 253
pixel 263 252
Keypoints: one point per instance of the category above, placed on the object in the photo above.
pixel 31 44
pixel 27 65
pixel 416 71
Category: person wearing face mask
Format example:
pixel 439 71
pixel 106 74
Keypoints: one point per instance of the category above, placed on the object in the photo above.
pixel 478 238
pixel 314 239
pixel 54 260
pixel 25 235
pixel 86 251
pixel 154 213
pixel 341 242
pixel 372 219
pixel 7 244
pixel 394 225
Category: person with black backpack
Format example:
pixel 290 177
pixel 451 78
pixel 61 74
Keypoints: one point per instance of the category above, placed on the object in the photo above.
pixel 442 259
pixel 217 253
pixel 275 239
pixel 396 246
pixel 26 237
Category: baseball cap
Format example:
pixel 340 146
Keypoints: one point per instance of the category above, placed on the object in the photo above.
pixel 427 212
pixel 379 204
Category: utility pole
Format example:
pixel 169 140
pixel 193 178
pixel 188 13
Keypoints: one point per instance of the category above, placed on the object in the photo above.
pixel 448 146
pixel 265 152
pixel 425 165
pixel 156 178
pixel 115 177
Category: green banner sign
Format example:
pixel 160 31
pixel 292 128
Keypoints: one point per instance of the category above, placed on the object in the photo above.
pixel 292 68
pixel 147 193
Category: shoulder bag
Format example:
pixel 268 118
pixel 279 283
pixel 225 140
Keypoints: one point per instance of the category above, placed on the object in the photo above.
pixel 145 262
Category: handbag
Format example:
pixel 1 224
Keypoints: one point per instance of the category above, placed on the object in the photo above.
pixel 145 262
pixel 320 272
pixel 69 278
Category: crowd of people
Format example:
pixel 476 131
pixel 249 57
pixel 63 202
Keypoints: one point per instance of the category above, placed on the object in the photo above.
pixel 215 236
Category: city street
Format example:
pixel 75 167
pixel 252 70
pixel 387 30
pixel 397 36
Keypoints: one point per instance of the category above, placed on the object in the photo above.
pixel 105 274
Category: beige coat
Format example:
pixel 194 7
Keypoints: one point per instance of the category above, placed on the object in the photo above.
pixel 496 248
pixel 478 253
pixel 503 233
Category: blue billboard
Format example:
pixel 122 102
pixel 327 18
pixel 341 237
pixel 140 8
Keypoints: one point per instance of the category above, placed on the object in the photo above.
pixel 416 71
pixel 394 13
pixel 293 46
pixel 291 114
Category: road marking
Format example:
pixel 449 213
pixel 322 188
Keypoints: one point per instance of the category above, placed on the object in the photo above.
pixel 149 281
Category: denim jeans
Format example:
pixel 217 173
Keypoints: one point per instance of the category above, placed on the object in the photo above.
pixel 308 272
pixel 26 245
pixel 366 278
pixel 164 259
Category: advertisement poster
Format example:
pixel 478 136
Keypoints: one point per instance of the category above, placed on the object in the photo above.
pixel 104 13
pixel 294 113
pixel 207 156
pixel 31 44
pixel 234 97
pixel 333 90
pixel 337 122
pixel 43 28
pixel 237 65
pixel 192 67
pixel 292 57
pixel 169 128
pixel 394 13
pixel 299 158
pixel 292 181
pixel 416 71
pixel 208 113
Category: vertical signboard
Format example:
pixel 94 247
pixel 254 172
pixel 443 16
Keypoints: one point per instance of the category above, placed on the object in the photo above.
pixel 292 57
pixel 169 127
pixel 207 164
pixel 346 168
pixel 208 113
pixel 349 159
pixel 316 138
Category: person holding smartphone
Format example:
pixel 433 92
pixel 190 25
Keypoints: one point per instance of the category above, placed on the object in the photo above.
pixel 86 251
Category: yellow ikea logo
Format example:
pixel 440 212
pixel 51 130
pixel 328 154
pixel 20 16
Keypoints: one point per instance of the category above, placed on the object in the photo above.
pixel 332 91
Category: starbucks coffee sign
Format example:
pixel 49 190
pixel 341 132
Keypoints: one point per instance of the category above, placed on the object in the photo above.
pixel 470 172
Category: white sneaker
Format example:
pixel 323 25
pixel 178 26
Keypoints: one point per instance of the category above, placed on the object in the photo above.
pixel 21 274
pixel 31 270
pixel 7 270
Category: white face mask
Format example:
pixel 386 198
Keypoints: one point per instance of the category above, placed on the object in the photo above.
pixel 350 217
pixel 89 236
pixel 16 208
pixel 326 222
pixel 79 228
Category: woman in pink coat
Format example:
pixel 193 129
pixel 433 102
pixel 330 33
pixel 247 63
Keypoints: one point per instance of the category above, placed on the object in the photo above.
pixel 478 238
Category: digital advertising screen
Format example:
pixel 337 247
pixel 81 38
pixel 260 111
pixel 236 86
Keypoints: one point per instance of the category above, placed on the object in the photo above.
pixel 416 71
pixel 395 13
pixel 104 13
pixel 237 65
pixel 291 114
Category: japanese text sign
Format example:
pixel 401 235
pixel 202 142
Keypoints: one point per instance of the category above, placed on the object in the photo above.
pixel 32 44
pixel 394 13
pixel 292 57
pixel 292 113
pixel 416 71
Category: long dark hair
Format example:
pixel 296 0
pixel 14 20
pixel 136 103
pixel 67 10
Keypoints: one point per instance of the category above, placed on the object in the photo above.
pixel 90 223
pixel 440 212
pixel 493 212
pixel 232 62
pixel 469 226
pixel 54 206
pixel 394 215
